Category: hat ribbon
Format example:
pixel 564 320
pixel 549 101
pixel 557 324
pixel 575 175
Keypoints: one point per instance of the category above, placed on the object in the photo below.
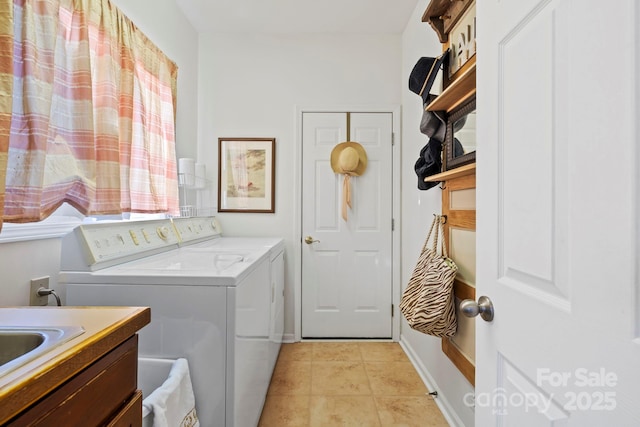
pixel 346 195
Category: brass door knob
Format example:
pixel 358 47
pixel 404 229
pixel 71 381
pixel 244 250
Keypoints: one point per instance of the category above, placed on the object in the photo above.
pixel 309 240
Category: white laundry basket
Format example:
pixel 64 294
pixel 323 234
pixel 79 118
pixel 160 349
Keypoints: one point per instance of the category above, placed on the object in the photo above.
pixel 173 396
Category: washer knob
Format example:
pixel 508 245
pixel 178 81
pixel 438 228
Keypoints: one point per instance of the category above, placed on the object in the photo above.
pixel 163 232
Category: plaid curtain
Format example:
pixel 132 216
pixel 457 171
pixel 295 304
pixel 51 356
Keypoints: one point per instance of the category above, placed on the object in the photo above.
pixel 93 114
pixel 6 89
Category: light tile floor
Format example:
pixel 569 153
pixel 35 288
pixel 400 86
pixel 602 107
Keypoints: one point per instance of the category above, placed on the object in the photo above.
pixel 327 384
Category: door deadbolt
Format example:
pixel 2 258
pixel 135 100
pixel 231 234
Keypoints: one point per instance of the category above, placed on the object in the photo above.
pixel 484 307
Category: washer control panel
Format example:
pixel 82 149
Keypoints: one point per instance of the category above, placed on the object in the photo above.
pixel 196 229
pixel 104 244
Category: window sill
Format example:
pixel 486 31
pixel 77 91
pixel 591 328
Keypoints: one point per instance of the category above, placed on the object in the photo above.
pixel 61 222
pixel 51 228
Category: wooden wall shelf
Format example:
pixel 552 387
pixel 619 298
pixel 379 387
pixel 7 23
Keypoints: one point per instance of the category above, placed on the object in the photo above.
pixel 453 173
pixel 457 92
pixel 442 15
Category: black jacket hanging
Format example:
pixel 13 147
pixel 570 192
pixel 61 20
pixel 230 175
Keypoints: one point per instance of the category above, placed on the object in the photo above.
pixel 429 163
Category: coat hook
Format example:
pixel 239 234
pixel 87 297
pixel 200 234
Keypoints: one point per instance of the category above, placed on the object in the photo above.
pixel 443 187
pixel 443 218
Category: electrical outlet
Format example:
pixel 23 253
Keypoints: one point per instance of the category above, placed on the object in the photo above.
pixel 35 299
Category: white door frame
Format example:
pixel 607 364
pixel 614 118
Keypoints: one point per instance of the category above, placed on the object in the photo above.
pixel 297 214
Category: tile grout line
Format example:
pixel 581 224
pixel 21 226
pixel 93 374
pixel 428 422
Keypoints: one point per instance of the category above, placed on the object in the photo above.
pixel 310 386
pixel 373 396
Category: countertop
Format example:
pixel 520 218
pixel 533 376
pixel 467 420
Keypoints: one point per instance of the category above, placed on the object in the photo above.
pixel 105 328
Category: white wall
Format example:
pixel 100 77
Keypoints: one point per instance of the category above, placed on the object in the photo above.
pixel 251 84
pixel 22 261
pixel 163 23
pixel 418 208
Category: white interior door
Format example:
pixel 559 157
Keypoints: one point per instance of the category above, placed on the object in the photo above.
pixel 557 213
pixel 347 270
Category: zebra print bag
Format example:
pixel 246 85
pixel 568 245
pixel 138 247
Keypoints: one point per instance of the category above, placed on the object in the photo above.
pixel 428 302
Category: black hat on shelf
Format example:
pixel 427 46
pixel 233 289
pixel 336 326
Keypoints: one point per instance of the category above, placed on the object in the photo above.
pixel 424 74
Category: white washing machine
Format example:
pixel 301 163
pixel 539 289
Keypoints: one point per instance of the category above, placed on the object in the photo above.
pixel 213 305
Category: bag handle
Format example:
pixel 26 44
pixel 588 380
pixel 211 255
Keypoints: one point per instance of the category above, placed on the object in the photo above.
pixel 437 221
pixel 426 241
pixel 443 244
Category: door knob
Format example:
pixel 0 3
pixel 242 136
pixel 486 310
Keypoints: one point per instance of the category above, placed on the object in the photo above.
pixel 484 307
pixel 309 240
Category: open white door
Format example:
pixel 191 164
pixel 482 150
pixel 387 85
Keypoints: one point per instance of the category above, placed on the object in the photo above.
pixel 557 213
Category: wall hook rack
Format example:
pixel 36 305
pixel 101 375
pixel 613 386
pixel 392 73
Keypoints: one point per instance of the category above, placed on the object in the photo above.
pixel 443 218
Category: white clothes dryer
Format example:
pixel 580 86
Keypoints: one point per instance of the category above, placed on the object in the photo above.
pixel 209 304
pixel 191 231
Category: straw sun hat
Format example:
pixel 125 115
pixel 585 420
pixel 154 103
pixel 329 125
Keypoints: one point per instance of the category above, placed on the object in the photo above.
pixel 349 158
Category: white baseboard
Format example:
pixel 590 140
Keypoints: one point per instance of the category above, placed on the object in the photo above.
pixel 441 400
pixel 290 338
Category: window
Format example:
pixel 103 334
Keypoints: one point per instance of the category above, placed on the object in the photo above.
pixel 92 114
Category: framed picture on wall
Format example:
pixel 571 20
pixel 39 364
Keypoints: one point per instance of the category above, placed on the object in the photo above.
pixel 246 175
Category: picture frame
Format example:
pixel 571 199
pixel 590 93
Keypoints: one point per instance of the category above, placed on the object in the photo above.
pixel 246 175
pixel 462 40
pixel 461 126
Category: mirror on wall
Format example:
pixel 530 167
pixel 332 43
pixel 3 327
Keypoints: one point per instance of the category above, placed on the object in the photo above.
pixel 460 139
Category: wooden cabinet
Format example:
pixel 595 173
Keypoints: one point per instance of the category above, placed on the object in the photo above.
pixel 459 208
pixel 454 21
pixel 102 394
pixel 130 415
pixel 88 381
